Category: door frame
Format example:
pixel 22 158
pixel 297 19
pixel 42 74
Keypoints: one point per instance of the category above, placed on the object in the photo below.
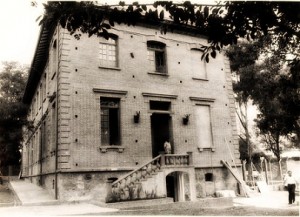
pixel 169 134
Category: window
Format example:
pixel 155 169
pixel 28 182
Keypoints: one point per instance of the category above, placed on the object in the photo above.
pixel 44 88
pixel 108 52
pixel 159 105
pixel 209 177
pixel 53 59
pixel 198 65
pixel 37 102
pixel 110 121
pixel 53 126
pixel 156 55
pixel 41 96
pixel 203 122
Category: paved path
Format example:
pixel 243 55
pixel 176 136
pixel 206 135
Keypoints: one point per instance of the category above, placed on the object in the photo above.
pixel 270 199
pixel 37 202
pixel 53 210
pixel 30 194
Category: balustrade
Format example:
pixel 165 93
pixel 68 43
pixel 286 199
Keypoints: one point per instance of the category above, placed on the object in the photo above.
pixel 151 168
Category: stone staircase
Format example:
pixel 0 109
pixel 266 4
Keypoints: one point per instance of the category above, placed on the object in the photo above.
pixel 147 181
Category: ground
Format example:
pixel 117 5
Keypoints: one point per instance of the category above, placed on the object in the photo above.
pixel 241 208
pixel 6 196
pixel 191 209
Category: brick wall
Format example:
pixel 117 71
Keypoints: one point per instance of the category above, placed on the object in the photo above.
pixel 78 82
pixel 80 73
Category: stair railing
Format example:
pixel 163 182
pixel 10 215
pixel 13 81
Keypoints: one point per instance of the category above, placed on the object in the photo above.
pixel 152 167
pixel 140 173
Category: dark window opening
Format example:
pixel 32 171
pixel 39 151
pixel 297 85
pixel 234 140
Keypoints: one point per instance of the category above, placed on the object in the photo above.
pixel 157 54
pixel 160 61
pixel 54 44
pixel 112 179
pixel 208 177
pixel 158 105
pixel 110 121
pixel 88 176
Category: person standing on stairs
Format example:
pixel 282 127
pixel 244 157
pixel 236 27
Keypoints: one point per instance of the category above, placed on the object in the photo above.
pixel 167 147
pixel 168 150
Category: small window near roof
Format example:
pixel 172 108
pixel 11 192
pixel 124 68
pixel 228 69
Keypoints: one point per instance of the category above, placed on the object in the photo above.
pixel 157 56
pixel 159 105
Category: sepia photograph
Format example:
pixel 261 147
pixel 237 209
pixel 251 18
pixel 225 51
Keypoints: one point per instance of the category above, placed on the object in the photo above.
pixel 149 108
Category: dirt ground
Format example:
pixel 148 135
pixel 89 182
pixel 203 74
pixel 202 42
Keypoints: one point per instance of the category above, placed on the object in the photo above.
pixel 6 196
pixel 173 209
pixel 191 209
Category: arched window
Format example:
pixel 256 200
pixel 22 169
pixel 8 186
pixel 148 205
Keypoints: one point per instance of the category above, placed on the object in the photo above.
pixel 157 56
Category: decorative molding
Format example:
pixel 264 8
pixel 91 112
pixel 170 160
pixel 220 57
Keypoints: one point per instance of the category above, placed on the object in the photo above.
pixel 212 149
pixel 199 79
pixel 110 68
pixel 201 99
pixel 104 149
pixel 120 92
pixel 159 74
pixel 160 95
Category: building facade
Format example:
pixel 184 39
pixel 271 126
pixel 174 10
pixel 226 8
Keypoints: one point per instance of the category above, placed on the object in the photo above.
pixel 101 111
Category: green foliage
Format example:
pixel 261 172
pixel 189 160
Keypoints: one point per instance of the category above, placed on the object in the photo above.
pixel 12 112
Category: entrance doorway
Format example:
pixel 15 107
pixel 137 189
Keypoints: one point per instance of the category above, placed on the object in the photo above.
pixel 177 186
pixel 161 132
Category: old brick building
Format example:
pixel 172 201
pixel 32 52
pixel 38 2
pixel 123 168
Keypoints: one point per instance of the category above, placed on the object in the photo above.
pixel 101 111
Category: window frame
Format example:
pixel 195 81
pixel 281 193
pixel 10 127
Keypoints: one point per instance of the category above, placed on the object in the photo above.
pixel 200 101
pixel 209 129
pixel 199 76
pixel 154 48
pixel 105 63
pixel 108 109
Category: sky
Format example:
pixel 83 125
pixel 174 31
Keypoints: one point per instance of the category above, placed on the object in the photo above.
pixel 20 30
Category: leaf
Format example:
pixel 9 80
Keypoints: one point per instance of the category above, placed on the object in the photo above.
pixel 213 54
pixel 206 12
pixel 207 58
pixel 215 10
pixel 106 26
pixel 144 7
pixel 38 18
pixel 105 34
pixel 111 22
pixel 161 15
pixel 121 3
pixel 202 56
